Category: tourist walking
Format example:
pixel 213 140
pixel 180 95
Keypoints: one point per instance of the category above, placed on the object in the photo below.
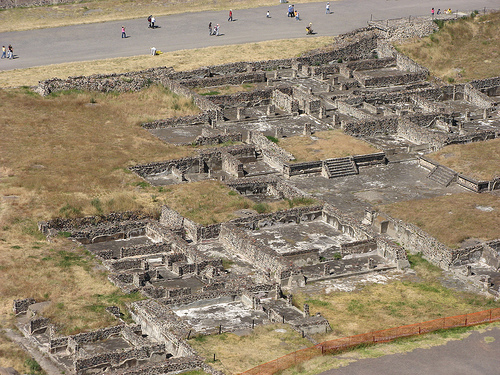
pixel 210 28
pixel 153 20
pixel 297 17
pixel 123 32
pixel 432 12
pixel 217 30
pixel 149 20
pixel 4 51
pixel 268 15
pixel 10 52
pixel 230 15
pixel 327 8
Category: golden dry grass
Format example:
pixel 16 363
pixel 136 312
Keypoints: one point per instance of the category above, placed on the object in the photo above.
pixel 462 50
pixel 451 218
pixel 324 145
pixel 209 202
pixel 480 160
pixel 88 11
pixel 179 60
pixel 11 355
pixel 235 354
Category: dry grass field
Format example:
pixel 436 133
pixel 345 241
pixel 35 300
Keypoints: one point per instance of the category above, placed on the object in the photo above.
pixel 235 353
pixel 460 51
pixel 452 218
pixel 179 60
pixel 325 144
pixel 480 160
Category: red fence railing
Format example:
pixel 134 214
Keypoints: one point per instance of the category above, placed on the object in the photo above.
pixel 385 335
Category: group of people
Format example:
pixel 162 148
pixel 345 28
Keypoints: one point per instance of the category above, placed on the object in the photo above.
pixel 447 11
pixel 151 21
pixel 213 30
pixel 292 12
pixel 7 53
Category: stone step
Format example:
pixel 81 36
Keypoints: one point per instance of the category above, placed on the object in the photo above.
pixel 442 175
pixel 339 167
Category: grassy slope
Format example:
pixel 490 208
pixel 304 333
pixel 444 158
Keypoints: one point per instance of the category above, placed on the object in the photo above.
pixel 462 50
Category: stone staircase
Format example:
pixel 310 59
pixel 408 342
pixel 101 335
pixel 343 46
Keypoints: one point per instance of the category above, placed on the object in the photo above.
pixel 442 175
pixel 339 167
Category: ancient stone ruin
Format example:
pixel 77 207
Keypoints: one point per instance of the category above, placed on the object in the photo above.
pixel 362 86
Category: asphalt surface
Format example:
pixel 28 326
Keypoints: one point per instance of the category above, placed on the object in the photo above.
pixel 478 354
pixel 188 31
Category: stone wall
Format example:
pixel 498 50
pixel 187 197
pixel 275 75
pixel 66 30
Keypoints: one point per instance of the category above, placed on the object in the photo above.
pixel 476 97
pixel 358 247
pixel 272 153
pixel 21 305
pixel 389 80
pixel 144 250
pixel 293 169
pixel 232 166
pixel 202 118
pixel 350 110
pixel 420 135
pixel 216 139
pixel 285 101
pixel 386 125
pixel 238 241
pixel 248 99
pixel 346 224
pixel 228 79
pixel 38 324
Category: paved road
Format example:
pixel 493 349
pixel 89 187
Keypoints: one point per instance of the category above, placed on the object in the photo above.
pixel 188 31
pixel 477 354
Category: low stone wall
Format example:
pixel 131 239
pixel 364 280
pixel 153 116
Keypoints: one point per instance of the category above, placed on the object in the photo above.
pixel 406 64
pixel 386 125
pixel 232 79
pixel 202 118
pixel 272 153
pixel 7 4
pixel 392 252
pixel 248 99
pixel 285 101
pixel 169 366
pixel 369 159
pixel 38 324
pixel 420 135
pixel 476 97
pixel 390 80
pixel 349 110
pixel 217 139
pixel 346 224
pixel 88 365
pixel 236 240
pixel 358 247
pixel 144 250
pixel 21 305
pixel 294 169
pixel 232 165
pixel 293 215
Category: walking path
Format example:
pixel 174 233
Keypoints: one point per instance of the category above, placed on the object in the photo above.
pixel 188 31
pixel 477 354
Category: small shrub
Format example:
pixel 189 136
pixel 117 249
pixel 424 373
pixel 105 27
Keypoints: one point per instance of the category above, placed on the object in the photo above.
pixel 272 139
pixel 261 207
pixel 64 234
pixel 451 79
pixel 211 93
pixel 142 184
pixel 439 23
pixel 233 193
pixel 33 366
pixel 70 211
pixel 96 203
